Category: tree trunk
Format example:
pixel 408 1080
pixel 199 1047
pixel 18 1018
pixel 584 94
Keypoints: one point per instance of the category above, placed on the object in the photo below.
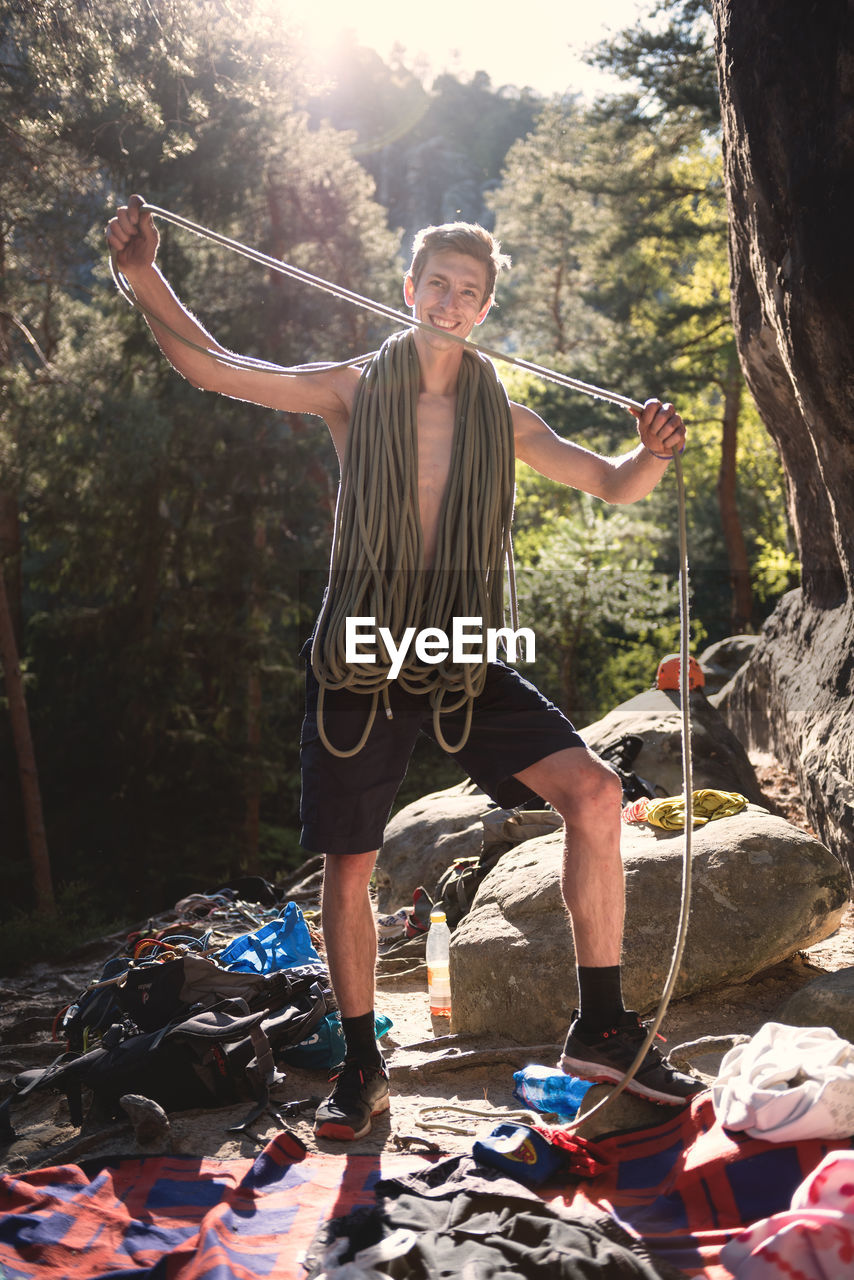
pixel 252 793
pixel 42 881
pixel 741 616
pixel 787 94
pixel 10 631
pixel 253 785
pixel 10 558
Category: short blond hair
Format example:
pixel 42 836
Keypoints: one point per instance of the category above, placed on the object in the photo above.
pixel 460 237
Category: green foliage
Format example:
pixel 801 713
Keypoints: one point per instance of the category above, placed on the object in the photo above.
pixel 616 221
pixel 671 53
pixel 601 612
pixel 171 542
pixel 777 571
pixel 166 550
pixel 28 937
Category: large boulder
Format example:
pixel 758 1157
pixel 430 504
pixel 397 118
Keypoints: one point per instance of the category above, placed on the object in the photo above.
pixel 719 760
pixel 425 837
pixel 827 1002
pixel 762 889
pixel 721 660
pixel 795 698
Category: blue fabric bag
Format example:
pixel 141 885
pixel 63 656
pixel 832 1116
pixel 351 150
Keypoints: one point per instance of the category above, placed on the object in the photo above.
pixel 520 1151
pixel 326 1046
pixel 280 944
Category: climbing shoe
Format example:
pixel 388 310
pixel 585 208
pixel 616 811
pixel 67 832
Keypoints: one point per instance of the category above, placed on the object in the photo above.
pixel 605 1057
pixel 359 1094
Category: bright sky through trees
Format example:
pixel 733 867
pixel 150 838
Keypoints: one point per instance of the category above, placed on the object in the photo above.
pixel 535 43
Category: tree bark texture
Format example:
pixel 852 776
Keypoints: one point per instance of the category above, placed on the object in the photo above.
pixel 27 772
pixel 786 73
pixel 741 615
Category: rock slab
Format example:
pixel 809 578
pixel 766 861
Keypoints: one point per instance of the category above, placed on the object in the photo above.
pixel 720 661
pixel 422 840
pixel 827 1002
pixel 719 759
pixel 795 698
pixel 761 890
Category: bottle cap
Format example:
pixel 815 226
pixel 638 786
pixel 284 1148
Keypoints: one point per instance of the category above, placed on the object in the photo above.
pixel 437 917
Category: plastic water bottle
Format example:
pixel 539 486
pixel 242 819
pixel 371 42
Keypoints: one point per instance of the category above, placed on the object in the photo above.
pixel 547 1089
pixel 438 961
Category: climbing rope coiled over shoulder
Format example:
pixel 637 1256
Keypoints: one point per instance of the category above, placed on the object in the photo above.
pixel 377 566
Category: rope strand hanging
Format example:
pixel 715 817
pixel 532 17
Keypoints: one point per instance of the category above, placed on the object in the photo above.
pixel 356 299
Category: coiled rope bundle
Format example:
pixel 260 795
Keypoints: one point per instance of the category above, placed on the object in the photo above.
pixel 377 565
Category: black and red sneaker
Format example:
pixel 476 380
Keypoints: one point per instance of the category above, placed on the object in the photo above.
pixel 418 920
pixel 606 1056
pixel 359 1094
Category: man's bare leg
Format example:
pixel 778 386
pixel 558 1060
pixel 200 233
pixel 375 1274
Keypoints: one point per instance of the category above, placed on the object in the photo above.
pixel 349 930
pixel 587 795
pixel 350 935
pixel 604 1039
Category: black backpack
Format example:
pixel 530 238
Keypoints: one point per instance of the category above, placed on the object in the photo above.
pixel 621 755
pixel 201 1061
pixel 208 1054
pixel 503 829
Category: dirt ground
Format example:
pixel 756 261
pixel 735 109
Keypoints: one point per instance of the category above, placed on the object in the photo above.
pixel 432 1072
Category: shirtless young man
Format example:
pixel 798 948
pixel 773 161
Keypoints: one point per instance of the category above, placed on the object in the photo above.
pixel 520 745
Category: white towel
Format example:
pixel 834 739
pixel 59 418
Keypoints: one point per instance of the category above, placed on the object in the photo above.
pixel 788 1083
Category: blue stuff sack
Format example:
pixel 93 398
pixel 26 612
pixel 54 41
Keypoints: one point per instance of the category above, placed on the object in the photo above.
pixel 521 1152
pixel 280 944
pixel 549 1090
pixel 326 1046
pixel 323 1048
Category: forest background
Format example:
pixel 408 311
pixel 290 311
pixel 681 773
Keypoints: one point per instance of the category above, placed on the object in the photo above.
pixel 164 551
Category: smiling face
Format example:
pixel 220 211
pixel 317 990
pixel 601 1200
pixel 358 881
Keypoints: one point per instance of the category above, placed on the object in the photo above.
pixel 449 293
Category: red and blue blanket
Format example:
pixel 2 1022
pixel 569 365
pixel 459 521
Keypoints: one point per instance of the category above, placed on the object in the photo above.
pixel 688 1185
pixel 685 1187
pixel 181 1217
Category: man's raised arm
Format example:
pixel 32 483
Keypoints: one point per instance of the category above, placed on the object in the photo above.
pixel 133 238
pixel 621 479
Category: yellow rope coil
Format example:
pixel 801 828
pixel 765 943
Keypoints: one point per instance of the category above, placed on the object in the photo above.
pixel 669 812
pixel 377 564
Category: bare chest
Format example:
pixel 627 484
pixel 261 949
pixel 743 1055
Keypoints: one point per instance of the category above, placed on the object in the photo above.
pixel 435 447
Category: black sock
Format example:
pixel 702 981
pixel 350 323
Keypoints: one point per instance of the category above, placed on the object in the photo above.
pixel 361 1039
pixel 600 996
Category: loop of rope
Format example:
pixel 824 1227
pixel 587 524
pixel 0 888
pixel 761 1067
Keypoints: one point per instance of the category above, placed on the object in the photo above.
pixel 688 784
pixel 481 1113
pixel 709 804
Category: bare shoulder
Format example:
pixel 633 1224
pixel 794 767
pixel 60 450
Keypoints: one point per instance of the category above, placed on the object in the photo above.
pixel 326 391
pixel 527 425
pixel 531 433
pixel 341 383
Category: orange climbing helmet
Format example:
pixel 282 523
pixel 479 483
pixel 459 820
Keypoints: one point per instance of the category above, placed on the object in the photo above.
pixel 667 676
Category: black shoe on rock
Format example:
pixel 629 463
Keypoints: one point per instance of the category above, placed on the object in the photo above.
pixel 359 1094
pixel 605 1057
